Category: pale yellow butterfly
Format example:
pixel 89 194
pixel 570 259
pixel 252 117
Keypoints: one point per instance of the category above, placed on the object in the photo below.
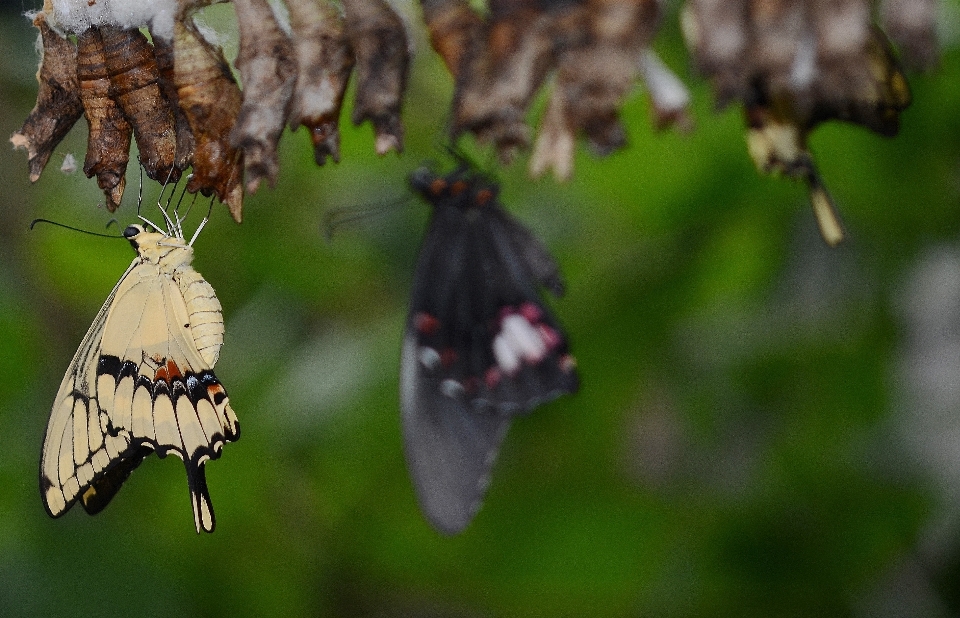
pixel 142 381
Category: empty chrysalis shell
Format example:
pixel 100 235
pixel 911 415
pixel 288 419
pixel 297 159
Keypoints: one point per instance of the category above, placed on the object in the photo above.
pixel 108 143
pixel 210 99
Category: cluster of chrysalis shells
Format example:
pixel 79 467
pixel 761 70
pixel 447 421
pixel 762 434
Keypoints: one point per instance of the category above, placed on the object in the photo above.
pixel 791 64
pixel 173 91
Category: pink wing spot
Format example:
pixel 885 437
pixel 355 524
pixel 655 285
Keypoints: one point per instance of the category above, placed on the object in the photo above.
pixel 448 357
pixel 471 384
pixel 531 312
pixel 550 336
pixel 425 323
pixel 492 377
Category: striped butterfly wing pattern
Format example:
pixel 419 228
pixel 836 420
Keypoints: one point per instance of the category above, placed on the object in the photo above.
pixel 141 381
pixel 480 345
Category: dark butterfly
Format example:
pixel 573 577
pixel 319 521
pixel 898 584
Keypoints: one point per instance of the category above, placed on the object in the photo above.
pixel 480 344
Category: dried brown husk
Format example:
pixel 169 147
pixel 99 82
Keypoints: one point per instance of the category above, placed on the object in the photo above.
pixel 268 72
pixel 324 62
pixel 595 78
pixel 796 65
pixel 210 99
pixel 500 72
pixel 779 30
pixel 842 26
pixel 913 25
pixel 58 99
pixel 592 81
pixel 108 143
pixel 133 85
pixel 718 36
pixel 454 29
pixel 379 43
pixel 163 52
pixel 824 55
pixel 866 87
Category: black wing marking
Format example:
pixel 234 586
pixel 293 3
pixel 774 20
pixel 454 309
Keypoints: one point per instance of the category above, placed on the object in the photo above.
pixel 105 485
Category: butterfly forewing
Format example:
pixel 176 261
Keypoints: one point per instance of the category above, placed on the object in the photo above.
pixel 480 346
pixel 141 381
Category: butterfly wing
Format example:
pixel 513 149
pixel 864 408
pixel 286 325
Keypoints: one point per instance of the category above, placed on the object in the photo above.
pixel 480 346
pixel 450 446
pixel 138 384
pixel 79 446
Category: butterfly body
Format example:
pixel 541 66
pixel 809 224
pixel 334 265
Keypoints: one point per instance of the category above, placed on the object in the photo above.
pixel 142 381
pixel 480 344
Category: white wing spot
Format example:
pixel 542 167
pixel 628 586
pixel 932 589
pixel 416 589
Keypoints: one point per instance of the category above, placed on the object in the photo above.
pixel 518 340
pixel 429 358
pixel 451 388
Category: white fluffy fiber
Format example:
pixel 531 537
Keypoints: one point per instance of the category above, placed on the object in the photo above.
pixel 77 15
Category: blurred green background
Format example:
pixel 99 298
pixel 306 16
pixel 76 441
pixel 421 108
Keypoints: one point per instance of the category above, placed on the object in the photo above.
pixel 766 427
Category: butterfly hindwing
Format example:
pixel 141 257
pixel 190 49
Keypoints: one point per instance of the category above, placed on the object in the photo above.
pixel 450 447
pixel 140 383
pixel 480 347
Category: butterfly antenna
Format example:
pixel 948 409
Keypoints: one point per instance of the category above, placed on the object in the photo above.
pixel 337 218
pixel 75 229
pixel 470 167
pixel 457 154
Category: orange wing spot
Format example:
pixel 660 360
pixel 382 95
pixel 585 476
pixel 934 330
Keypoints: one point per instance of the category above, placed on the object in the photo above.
pixel 458 187
pixel 437 186
pixel 168 372
pixel 484 196
pixel 214 389
pixel 216 394
pixel 173 370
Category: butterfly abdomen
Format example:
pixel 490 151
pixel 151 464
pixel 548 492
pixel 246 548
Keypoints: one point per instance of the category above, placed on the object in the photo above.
pixel 206 319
